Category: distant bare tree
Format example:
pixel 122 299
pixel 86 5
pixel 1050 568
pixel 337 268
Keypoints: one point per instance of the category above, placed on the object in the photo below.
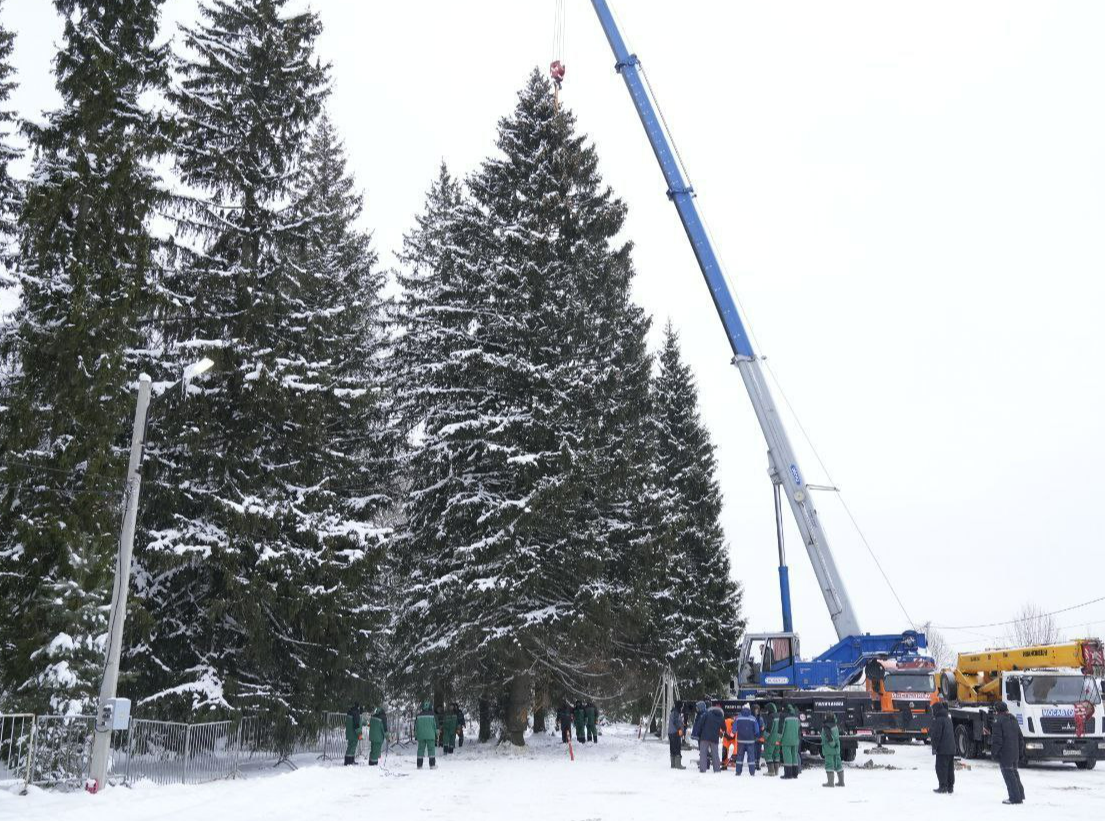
pixel 938 646
pixel 1032 626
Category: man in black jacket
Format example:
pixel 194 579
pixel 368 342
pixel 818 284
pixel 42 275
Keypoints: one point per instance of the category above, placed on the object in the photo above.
pixel 942 741
pixel 709 732
pixel 1005 747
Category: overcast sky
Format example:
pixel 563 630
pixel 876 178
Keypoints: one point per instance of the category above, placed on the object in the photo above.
pixel 910 199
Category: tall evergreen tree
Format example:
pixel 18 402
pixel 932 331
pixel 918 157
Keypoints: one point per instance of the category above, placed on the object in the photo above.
pixel 261 536
pixel 87 266
pixel 697 619
pixel 11 191
pixel 515 514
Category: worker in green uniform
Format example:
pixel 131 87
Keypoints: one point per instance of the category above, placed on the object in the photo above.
pixel 352 733
pixel 448 731
pixel 425 733
pixel 579 715
pixel 790 741
pixel 591 714
pixel 772 752
pixel 830 751
pixel 377 732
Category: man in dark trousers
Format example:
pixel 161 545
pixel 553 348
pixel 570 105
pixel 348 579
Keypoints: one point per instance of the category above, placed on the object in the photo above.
pixel 564 722
pixel 942 741
pixel 460 723
pixel 352 733
pixel 1005 747
pixel 709 733
pixel 747 730
pixel 675 738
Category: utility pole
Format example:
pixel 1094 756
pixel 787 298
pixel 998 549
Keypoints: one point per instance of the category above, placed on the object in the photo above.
pixel 101 748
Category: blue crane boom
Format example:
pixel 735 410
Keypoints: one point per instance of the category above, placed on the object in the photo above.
pixel 783 464
pixel 844 662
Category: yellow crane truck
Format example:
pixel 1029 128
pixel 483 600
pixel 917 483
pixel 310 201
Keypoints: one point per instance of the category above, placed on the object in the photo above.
pixel 1052 691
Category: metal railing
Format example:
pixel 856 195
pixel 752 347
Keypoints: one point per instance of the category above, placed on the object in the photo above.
pixel 156 751
pixel 56 750
pixel 16 737
pixel 61 750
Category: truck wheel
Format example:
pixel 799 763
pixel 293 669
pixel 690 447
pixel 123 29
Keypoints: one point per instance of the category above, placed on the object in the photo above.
pixel 849 754
pixel 965 746
pixel 1088 764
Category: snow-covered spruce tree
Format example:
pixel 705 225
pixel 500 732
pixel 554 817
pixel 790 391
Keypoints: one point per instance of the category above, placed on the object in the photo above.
pixel 259 545
pixel 86 266
pixel 697 618
pixel 11 191
pixel 522 480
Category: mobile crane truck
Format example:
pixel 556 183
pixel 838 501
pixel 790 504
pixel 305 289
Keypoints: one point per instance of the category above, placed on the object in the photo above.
pixel 1051 690
pixel 769 666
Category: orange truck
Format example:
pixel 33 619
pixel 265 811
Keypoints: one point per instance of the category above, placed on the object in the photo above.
pixel 902 695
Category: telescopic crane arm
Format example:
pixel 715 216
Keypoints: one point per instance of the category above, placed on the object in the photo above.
pixel 782 462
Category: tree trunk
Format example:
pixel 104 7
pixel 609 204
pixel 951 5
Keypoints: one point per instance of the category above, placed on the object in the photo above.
pixel 540 705
pixel 439 695
pixel 485 718
pixel 517 717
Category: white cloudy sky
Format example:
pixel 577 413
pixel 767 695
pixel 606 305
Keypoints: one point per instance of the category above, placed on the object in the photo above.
pixel 911 200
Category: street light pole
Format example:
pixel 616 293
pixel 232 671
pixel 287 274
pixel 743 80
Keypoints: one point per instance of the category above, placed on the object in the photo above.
pixel 106 708
pixel 101 747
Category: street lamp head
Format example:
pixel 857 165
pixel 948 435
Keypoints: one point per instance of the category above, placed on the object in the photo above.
pixel 195 369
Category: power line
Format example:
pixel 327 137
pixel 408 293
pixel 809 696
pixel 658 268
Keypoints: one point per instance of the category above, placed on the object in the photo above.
pixel 1024 618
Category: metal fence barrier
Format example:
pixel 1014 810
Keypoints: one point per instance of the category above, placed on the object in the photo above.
pixel 57 750
pixel 156 751
pixel 210 752
pixel 62 750
pixel 16 736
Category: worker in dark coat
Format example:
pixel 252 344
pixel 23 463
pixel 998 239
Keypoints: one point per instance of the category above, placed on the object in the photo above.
pixel 564 722
pixel 713 723
pixel 461 722
pixel 425 733
pixel 591 713
pixel 377 732
pixel 676 727
pixel 942 741
pixel 758 715
pixel 699 717
pixel 747 730
pixel 352 733
pixel 1005 748
pixel 579 714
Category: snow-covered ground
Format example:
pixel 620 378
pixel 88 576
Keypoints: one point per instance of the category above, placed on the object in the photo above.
pixel 619 778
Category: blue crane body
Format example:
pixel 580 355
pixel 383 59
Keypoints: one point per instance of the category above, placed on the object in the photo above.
pixel 779 666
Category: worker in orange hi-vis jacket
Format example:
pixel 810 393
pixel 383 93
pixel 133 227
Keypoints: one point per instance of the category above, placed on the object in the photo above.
pixel 728 743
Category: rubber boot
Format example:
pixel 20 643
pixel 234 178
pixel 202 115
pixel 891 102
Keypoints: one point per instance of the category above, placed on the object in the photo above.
pixel 433 763
pixel 420 763
pixel 840 778
pixel 348 760
pixel 829 779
